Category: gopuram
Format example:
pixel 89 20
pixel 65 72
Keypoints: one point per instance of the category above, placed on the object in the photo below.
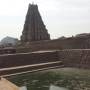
pixel 34 28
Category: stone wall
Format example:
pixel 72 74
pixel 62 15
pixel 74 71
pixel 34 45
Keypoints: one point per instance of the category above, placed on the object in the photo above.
pixel 75 58
pixel 57 44
pixel 79 58
pixel 14 60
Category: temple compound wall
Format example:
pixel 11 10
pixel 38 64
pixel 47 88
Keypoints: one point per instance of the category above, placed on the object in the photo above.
pixel 57 44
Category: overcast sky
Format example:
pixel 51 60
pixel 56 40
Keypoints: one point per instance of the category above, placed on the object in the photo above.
pixel 61 17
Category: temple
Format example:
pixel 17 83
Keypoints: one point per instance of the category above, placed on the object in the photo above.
pixel 34 28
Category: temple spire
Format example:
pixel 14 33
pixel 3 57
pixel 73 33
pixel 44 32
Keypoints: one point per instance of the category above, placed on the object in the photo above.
pixel 33 2
pixel 34 28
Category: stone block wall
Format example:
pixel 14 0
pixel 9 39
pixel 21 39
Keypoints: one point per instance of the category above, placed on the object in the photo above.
pixel 79 58
pixel 57 44
pixel 27 58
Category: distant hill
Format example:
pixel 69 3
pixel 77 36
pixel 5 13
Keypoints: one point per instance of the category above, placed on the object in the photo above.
pixel 83 35
pixel 8 40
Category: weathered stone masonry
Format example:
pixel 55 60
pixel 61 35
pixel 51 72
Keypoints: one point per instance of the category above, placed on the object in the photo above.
pixel 79 58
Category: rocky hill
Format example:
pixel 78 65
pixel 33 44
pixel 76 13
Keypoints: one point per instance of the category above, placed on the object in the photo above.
pixel 9 40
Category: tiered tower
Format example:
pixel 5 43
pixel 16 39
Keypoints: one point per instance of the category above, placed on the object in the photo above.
pixel 34 28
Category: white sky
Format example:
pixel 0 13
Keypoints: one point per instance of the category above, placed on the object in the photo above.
pixel 61 17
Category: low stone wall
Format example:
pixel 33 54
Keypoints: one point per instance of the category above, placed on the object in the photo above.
pixel 27 58
pixel 57 44
pixel 79 58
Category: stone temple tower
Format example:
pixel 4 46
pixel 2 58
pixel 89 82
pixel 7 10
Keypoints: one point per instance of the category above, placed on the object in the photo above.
pixel 34 28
